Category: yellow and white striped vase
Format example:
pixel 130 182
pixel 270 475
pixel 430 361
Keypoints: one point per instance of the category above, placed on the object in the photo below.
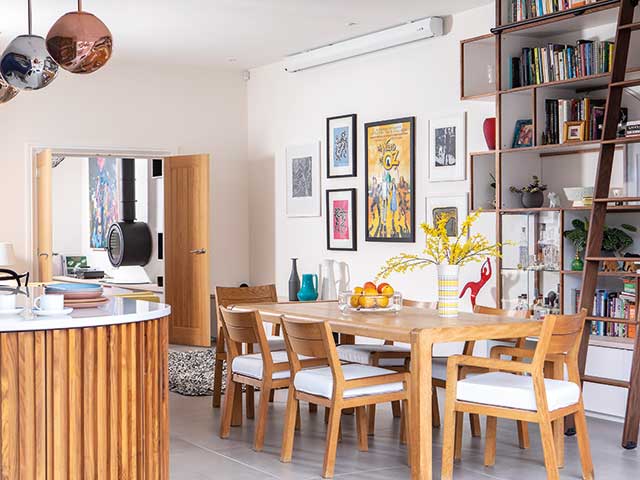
pixel 448 290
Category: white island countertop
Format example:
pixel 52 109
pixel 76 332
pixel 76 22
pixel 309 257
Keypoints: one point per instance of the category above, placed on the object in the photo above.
pixel 117 311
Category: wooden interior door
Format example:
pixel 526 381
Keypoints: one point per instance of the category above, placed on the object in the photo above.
pixel 186 234
pixel 43 217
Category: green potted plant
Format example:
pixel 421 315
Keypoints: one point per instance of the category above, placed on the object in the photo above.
pixel 614 240
pixel 531 195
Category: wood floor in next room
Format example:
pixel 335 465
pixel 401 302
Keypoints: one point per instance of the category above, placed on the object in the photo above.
pixel 197 453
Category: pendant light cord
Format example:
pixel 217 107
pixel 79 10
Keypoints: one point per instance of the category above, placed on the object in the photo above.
pixel 79 5
pixel 29 14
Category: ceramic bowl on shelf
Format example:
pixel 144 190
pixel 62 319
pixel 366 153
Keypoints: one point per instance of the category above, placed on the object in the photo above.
pixel 578 194
pixel 354 302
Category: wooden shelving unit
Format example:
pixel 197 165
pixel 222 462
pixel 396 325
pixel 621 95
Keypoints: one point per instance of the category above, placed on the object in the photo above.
pixel 511 166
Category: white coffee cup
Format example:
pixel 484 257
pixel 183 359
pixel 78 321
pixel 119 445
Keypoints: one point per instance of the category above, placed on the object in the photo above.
pixel 8 302
pixel 49 303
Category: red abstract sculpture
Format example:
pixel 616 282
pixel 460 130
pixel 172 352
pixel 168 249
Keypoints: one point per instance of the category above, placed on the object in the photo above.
pixel 475 287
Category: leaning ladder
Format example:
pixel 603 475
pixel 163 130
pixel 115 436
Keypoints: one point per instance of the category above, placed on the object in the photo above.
pixel 601 202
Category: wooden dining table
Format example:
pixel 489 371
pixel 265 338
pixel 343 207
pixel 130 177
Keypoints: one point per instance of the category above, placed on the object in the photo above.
pixel 421 328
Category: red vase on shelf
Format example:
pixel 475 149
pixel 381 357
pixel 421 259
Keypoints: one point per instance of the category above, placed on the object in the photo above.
pixel 489 129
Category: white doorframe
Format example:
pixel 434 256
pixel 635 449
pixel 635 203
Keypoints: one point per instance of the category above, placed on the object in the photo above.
pixel 104 151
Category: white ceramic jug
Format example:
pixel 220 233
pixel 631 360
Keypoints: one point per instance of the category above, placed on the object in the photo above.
pixel 343 278
pixel 328 289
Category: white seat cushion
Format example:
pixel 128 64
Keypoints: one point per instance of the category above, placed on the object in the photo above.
pixel 319 381
pixel 439 368
pixel 361 353
pixel 252 365
pixel 515 391
pixel 275 343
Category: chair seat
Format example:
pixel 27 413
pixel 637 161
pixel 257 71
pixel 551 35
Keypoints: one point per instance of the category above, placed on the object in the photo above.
pixel 515 391
pixel 361 353
pixel 319 381
pixel 252 365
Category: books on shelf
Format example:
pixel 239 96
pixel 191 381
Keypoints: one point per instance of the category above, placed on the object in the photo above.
pixel 612 304
pixel 559 111
pixel 632 128
pixel 520 10
pixel 556 62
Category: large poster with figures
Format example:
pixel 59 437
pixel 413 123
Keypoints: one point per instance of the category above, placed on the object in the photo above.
pixel 390 184
pixel 103 199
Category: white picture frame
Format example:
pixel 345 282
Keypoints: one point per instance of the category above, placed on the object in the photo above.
pixel 446 202
pixel 342 158
pixel 448 148
pixel 303 180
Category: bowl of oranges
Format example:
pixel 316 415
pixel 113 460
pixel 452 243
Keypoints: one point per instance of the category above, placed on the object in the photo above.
pixel 371 298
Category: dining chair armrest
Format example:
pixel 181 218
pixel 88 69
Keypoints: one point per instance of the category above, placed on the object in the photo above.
pixel 514 352
pixel 457 361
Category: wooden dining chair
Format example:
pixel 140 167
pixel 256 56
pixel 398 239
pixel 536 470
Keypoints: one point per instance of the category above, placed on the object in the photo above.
pixel 519 391
pixel 225 297
pixel 335 386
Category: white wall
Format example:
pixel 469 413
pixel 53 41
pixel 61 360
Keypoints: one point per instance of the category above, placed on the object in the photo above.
pixel 421 79
pixel 143 107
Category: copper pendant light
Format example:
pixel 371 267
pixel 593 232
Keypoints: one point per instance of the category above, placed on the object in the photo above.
pixel 80 42
pixel 7 92
pixel 26 64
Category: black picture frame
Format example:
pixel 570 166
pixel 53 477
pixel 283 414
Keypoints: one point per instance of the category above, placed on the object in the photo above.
pixel 354 219
pixel 354 145
pixel 411 238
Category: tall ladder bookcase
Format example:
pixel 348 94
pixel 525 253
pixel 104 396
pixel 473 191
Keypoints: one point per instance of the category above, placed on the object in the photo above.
pixel 498 48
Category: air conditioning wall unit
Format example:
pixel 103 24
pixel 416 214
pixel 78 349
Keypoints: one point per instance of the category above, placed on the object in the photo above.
pixel 407 33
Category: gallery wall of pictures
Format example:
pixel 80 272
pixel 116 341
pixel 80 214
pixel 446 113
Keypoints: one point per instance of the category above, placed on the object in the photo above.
pixel 389 179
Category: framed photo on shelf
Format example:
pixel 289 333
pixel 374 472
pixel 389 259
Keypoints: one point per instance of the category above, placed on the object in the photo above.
pixel 456 206
pixel 574 131
pixel 447 152
pixel 342 146
pixel 390 180
pixel 523 134
pixel 303 180
pixel 342 231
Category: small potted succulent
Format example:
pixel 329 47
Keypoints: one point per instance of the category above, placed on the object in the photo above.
pixel 531 196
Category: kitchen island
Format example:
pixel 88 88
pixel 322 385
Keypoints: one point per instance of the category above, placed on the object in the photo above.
pixel 85 395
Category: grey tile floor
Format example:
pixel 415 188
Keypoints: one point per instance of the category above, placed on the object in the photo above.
pixel 197 453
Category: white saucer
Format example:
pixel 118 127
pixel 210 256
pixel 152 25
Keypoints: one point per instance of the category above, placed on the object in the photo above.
pixel 14 311
pixel 51 313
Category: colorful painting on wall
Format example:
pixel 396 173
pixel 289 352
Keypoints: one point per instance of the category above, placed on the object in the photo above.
pixel 389 182
pixel 303 180
pixel 341 219
pixel 455 206
pixel 103 199
pixel 341 146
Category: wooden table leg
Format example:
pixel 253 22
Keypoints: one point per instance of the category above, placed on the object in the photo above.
pixel 420 406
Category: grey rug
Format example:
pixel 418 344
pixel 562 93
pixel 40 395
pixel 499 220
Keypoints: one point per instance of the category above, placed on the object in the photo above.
pixel 191 373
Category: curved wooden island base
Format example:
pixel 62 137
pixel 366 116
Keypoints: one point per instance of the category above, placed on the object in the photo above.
pixel 85 403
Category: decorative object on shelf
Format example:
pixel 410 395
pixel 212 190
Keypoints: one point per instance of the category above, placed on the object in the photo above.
pixel 616 192
pixel 577 264
pixel 341 212
pixel 454 206
pixel 447 154
pixel 523 134
pixel 579 196
pixel 448 254
pixel 632 128
pixel 489 130
pixel 7 92
pixel 303 180
pixel 327 280
pixel 342 146
pixel 79 42
pixel 390 180
pixel 554 200
pixel 531 196
pixel 610 266
pixel 309 289
pixel 493 184
pixel 103 199
pixel 614 240
pixel 25 63
pixel 574 131
pixel 475 287
pixel 294 281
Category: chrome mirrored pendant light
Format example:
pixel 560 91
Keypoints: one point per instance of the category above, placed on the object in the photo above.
pixel 7 92
pixel 80 42
pixel 26 64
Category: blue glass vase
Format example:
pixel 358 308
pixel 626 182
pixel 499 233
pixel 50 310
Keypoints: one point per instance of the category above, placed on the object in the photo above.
pixel 309 289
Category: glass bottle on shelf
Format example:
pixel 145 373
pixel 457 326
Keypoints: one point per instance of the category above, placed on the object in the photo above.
pixel 523 250
pixel 523 303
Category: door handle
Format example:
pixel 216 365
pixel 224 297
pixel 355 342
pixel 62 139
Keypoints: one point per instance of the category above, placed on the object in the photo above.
pixel 199 251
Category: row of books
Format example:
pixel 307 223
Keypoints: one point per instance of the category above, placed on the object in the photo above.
pixel 612 304
pixel 560 111
pixel 632 128
pixel 524 9
pixel 555 62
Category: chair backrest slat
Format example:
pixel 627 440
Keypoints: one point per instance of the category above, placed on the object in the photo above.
pixel 244 326
pixel 419 304
pixel 306 338
pixel 567 333
pixel 226 296
pixel 501 312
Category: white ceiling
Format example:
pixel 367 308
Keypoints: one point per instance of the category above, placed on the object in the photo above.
pixel 212 32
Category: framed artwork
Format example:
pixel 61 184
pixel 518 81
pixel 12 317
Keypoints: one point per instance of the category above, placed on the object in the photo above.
pixel 103 199
pixel 447 153
pixel 574 131
pixel 341 220
pixel 523 134
pixel 303 180
pixel 390 180
pixel 342 146
pixel 455 205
